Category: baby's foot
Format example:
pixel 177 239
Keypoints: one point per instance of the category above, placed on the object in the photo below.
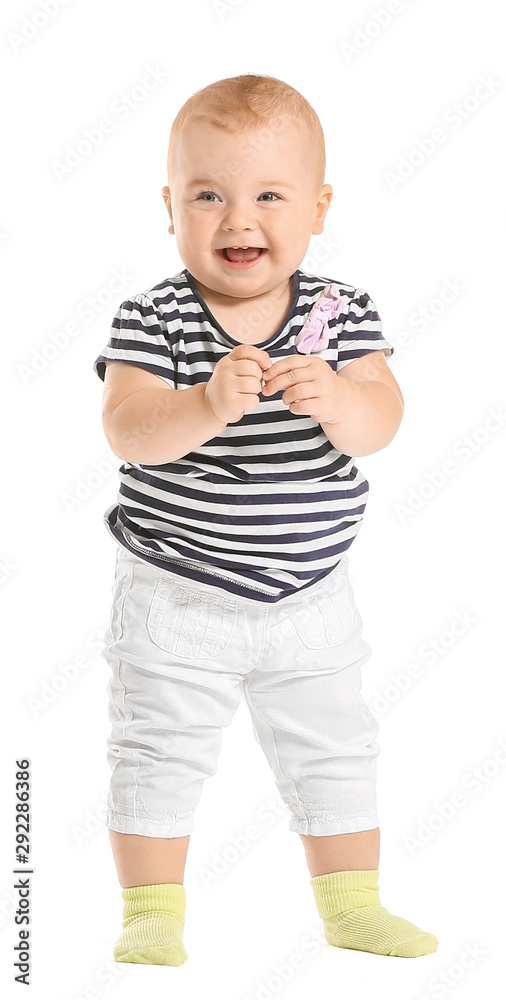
pixel 353 917
pixel 153 922
pixel 152 939
pixel 372 928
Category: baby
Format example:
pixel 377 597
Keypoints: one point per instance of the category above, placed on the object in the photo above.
pixel 240 390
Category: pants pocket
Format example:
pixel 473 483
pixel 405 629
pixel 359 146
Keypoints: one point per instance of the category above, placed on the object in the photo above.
pixel 326 619
pixel 188 623
pixel 121 585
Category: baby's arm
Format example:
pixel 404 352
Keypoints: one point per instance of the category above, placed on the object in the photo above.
pixel 370 405
pixel 146 422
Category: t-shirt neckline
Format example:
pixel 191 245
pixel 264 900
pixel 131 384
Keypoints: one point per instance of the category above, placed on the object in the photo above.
pixel 223 333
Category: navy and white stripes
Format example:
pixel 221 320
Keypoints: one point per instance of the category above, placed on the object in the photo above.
pixel 267 507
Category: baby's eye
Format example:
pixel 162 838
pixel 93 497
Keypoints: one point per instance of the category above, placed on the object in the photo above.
pixel 201 195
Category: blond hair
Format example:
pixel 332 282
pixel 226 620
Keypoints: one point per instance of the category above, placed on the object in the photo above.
pixel 238 103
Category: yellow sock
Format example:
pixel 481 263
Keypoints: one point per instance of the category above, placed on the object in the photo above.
pixel 153 921
pixel 353 917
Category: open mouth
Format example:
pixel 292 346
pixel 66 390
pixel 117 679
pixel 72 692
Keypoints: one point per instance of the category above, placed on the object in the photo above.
pixel 237 255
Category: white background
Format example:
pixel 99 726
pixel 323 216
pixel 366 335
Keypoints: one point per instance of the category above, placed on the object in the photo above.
pixel 430 552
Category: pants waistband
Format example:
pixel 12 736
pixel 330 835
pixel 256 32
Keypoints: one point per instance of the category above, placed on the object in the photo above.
pixel 332 581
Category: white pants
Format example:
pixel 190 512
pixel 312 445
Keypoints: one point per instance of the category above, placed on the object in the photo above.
pixel 181 653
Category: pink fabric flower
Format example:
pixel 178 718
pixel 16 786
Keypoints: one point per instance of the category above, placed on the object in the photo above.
pixel 314 335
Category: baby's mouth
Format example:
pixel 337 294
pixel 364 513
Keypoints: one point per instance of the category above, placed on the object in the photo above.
pixel 240 254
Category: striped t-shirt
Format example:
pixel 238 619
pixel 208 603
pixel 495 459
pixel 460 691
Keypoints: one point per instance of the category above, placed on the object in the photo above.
pixel 268 507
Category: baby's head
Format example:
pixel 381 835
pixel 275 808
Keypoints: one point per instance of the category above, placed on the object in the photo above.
pixel 246 167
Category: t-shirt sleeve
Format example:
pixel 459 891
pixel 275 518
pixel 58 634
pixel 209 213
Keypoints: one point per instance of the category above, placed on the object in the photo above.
pixel 139 337
pixel 361 331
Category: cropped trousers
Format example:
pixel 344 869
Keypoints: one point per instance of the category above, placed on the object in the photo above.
pixel 182 653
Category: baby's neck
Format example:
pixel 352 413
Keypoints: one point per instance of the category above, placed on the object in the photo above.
pixel 249 320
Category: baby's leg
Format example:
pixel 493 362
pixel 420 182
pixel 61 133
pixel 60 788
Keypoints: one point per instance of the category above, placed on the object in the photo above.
pixel 151 871
pixel 342 852
pixel 170 697
pixel 319 737
pixel 148 860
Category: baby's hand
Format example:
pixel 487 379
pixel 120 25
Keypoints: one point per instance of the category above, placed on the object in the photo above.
pixel 312 387
pixel 236 382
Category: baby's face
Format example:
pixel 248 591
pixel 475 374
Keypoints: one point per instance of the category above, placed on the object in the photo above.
pixel 257 188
